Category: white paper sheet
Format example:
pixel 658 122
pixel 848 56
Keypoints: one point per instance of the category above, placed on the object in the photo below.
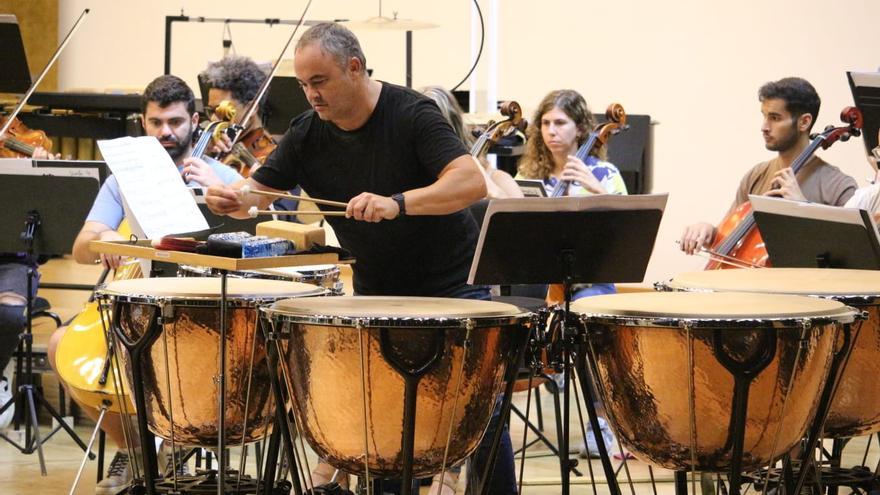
pixel 152 187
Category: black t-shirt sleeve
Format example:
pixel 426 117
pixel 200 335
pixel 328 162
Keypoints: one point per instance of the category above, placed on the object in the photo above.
pixel 280 169
pixel 435 141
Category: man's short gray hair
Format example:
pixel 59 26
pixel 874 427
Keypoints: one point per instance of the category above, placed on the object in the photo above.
pixel 337 40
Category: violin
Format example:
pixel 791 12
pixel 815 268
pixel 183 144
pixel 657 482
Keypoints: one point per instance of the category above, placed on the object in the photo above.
pixel 615 123
pixel 495 130
pixel 250 151
pixel 738 242
pixel 20 140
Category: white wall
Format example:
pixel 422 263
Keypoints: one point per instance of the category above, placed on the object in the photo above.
pixel 694 66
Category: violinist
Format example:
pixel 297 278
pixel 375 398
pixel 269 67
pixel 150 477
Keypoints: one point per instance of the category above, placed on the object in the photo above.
pixel 498 182
pixel 169 115
pixel 237 79
pixel 561 124
pixel 789 108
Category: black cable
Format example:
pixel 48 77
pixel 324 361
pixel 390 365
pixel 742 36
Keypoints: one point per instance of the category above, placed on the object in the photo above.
pixel 480 52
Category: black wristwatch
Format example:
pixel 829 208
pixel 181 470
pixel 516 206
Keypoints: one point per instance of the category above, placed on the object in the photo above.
pixel 401 203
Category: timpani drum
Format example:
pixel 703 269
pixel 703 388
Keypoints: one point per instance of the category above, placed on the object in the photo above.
pixel 691 379
pixel 371 374
pixel 326 276
pixel 175 323
pixel 855 409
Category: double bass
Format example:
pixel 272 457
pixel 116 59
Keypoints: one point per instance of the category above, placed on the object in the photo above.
pixel 738 242
pixel 615 123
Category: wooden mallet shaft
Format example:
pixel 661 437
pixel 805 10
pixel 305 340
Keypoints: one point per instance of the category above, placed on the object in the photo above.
pixel 248 190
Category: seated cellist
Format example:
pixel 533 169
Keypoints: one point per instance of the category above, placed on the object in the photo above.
pixel 789 108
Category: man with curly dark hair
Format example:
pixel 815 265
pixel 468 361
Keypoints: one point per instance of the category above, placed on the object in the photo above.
pixel 237 79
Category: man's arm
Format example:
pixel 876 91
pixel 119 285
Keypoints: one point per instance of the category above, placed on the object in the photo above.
pixel 226 200
pixel 459 185
pixel 94 231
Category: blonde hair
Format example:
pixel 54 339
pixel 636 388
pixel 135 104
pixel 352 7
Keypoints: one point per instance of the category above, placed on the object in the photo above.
pixel 451 111
pixel 537 162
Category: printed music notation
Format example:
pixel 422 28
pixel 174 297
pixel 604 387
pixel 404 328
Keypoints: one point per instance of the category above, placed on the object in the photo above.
pixel 152 187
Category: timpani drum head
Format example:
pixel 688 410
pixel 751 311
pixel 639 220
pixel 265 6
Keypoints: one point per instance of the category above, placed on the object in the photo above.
pixel 384 309
pixel 208 288
pixel 710 306
pixel 804 281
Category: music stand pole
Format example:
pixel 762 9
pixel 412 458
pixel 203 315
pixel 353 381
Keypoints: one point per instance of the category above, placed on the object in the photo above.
pixel 26 391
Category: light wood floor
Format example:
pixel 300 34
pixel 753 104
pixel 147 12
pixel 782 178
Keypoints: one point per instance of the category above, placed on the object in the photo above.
pixel 20 474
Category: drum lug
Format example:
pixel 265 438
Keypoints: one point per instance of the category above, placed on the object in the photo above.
pixel 166 313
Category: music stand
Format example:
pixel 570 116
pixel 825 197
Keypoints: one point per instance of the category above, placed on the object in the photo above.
pixel 285 100
pixel 865 87
pixel 16 76
pixel 809 235
pixel 51 223
pixel 593 239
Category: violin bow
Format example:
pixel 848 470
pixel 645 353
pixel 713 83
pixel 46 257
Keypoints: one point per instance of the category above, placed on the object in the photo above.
pixel 48 66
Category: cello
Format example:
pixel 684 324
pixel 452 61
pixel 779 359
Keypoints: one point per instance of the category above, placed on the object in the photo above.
pixel 495 130
pixel 738 242
pixel 615 123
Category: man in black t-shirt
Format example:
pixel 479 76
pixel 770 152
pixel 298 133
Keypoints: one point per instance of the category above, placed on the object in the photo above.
pixel 407 180
pixel 390 155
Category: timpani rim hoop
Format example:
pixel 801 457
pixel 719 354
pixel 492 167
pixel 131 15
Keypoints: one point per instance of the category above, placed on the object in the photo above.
pixel 704 310
pixel 412 312
pixel 205 291
pixel 861 287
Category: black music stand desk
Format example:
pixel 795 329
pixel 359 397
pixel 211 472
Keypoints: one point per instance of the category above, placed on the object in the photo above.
pixel 810 235
pixel 604 239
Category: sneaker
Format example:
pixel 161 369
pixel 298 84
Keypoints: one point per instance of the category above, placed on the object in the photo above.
pixel 6 396
pixel 590 449
pixel 118 475
pixel 167 460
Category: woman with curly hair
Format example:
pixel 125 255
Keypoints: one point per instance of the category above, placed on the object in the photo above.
pixel 561 124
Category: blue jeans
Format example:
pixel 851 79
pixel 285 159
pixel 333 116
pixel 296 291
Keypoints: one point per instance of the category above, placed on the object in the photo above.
pixel 13 278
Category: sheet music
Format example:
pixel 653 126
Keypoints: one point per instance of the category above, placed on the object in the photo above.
pixel 152 187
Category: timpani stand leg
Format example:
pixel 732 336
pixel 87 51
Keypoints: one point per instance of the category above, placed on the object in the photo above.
pixel 135 350
pixel 838 365
pixel 743 373
pixel 281 425
pixel 514 358
pixel 411 373
pixel 221 384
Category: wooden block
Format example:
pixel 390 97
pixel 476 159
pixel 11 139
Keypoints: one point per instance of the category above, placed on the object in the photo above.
pixel 303 236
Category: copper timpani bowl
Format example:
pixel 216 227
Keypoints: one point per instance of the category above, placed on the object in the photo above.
pixel 855 408
pixel 663 362
pixel 181 363
pixel 344 357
